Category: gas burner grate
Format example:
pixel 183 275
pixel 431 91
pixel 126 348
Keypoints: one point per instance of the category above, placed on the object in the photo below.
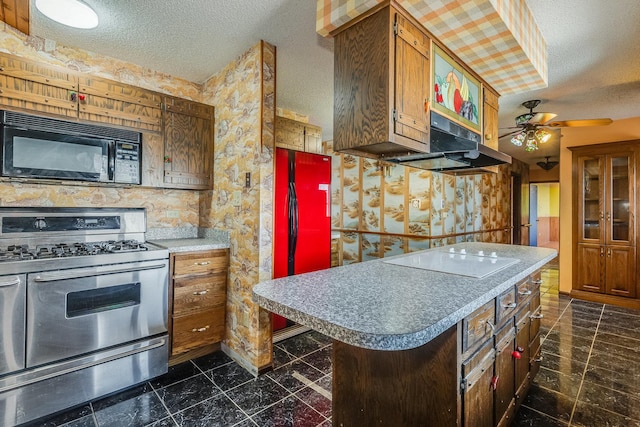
pixel 64 250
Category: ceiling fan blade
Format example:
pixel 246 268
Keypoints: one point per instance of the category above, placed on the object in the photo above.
pixel 541 118
pixel 577 123
pixel 510 133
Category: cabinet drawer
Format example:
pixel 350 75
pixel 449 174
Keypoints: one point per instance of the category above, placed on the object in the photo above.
pixel 486 350
pixel 200 262
pixel 481 372
pixel 506 305
pixel 199 292
pixel 536 315
pixel 197 329
pixel 524 290
pixel 477 326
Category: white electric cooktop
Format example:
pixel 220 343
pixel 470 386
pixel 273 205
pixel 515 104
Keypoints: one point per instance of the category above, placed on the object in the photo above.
pixel 456 261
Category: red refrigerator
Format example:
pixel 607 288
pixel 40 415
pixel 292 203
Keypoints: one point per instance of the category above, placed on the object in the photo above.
pixel 302 236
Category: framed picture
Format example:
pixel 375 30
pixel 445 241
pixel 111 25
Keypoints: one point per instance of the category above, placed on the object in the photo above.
pixel 456 93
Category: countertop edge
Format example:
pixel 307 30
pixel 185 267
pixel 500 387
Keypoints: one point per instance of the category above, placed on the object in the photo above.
pixel 395 341
pixel 189 245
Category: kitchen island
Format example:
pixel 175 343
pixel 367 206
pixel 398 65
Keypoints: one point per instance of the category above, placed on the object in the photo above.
pixel 407 340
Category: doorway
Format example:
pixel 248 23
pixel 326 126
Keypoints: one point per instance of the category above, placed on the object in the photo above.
pixel 546 210
pixel 519 210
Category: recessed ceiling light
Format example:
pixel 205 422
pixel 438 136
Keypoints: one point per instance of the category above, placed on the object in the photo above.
pixel 73 13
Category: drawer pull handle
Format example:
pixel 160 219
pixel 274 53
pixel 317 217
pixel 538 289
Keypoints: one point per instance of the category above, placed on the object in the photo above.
pixel 524 293
pixel 538 282
pixel 510 305
pixel 537 316
pixel 200 329
pixel 201 292
pixel 202 263
pixel 492 326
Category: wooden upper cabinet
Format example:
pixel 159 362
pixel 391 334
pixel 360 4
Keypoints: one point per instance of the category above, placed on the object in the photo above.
pixel 36 88
pixel 381 86
pixel 188 144
pixel 114 103
pixel 295 135
pixel 412 80
pixel 313 139
pixel 289 134
pixel 490 117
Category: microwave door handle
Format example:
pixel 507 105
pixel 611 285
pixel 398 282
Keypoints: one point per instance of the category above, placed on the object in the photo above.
pixel 112 160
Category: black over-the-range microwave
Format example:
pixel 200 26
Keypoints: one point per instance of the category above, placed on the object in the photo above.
pixel 40 147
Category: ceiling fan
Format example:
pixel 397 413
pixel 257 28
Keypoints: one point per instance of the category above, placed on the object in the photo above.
pixel 547 165
pixel 530 127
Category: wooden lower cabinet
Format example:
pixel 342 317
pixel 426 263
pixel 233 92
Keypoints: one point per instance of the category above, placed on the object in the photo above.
pixel 498 371
pixel 504 373
pixel 475 374
pixel 199 289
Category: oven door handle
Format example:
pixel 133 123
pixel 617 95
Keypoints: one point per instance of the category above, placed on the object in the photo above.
pixel 11 282
pixel 94 271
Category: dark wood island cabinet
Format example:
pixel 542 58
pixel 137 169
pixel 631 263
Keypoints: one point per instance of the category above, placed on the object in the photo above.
pixel 414 347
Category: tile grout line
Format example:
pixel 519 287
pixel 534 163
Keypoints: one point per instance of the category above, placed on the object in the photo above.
pixel 586 366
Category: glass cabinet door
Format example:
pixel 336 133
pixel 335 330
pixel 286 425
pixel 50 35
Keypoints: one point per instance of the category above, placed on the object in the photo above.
pixel 618 215
pixel 592 207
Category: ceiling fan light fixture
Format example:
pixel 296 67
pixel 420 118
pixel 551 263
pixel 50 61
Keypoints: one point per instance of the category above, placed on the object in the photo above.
pixel 72 13
pixel 518 139
pixel 532 145
pixel 543 136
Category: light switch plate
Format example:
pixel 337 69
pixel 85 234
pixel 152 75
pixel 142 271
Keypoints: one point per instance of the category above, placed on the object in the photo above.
pixel 236 198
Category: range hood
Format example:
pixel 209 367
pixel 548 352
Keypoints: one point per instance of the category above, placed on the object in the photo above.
pixel 452 148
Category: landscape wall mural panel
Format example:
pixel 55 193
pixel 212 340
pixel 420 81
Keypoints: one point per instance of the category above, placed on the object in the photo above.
pixel 419 202
pixel 386 204
pixel 351 192
pixel 395 189
pixel 437 204
pixel 371 194
pixel 370 246
pixel 336 190
pixel 350 248
pixel 449 207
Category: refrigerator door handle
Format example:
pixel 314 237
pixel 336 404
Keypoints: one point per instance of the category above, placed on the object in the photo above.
pixel 295 218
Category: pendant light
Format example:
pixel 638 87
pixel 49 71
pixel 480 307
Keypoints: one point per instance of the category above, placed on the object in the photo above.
pixel 73 13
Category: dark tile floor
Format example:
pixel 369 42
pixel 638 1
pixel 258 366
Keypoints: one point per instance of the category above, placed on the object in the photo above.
pixel 589 377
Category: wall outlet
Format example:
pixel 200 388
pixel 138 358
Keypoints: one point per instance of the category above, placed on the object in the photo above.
pixel 49 45
pixel 415 203
pixel 245 318
pixel 173 214
pixel 236 198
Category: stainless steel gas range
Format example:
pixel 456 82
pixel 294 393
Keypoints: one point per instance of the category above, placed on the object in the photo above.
pixel 83 305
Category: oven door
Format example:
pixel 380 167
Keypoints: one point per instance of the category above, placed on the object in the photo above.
pixel 12 311
pixel 78 311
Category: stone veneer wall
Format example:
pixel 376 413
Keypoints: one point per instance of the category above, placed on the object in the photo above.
pixel 244 95
pixel 157 201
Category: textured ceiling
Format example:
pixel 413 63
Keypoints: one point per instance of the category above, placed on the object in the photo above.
pixel 593 51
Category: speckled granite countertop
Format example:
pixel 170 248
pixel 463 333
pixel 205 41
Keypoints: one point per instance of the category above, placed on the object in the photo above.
pixel 189 245
pixel 383 306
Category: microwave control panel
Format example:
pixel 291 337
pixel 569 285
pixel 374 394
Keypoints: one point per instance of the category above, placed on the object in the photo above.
pixel 127 163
